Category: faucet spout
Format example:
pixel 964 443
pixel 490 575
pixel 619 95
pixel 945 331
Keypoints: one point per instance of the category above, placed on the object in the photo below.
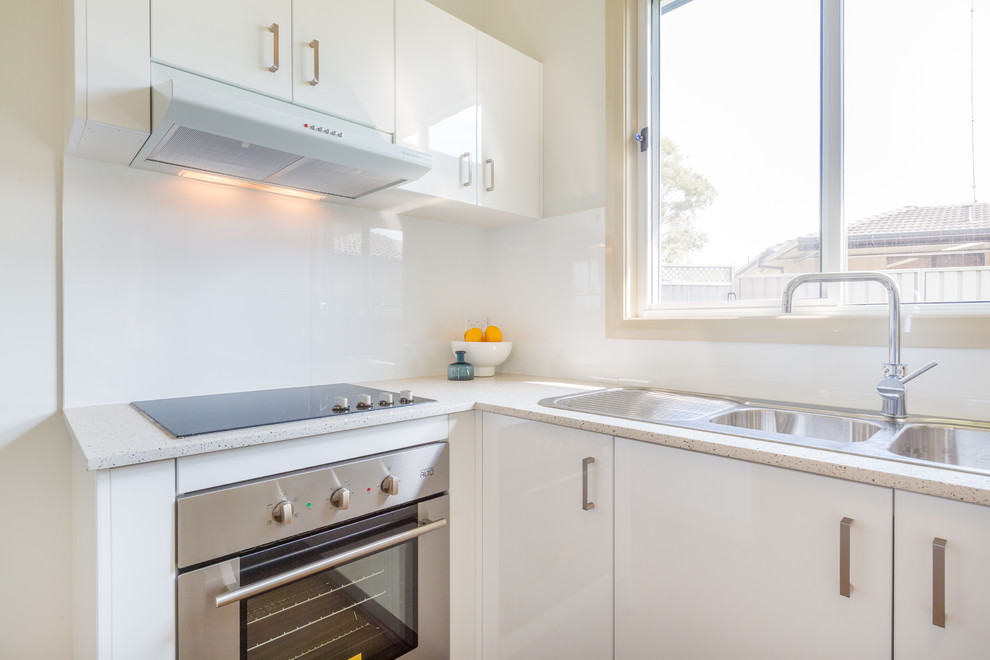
pixel 893 367
pixel 891 387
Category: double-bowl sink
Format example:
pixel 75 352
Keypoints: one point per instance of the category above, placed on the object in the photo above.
pixel 956 444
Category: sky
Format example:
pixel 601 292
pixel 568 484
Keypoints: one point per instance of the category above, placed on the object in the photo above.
pixel 740 98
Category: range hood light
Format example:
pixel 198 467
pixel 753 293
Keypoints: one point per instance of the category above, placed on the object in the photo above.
pixel 227 181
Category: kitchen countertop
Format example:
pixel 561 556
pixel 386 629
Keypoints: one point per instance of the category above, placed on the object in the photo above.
pixel 116 435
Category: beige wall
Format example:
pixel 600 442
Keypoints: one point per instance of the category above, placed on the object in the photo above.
pixel 34 445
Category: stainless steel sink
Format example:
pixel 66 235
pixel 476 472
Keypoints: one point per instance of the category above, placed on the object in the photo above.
pixel 642 404
pixel 950 445
pixel 800 424
pixel 956 444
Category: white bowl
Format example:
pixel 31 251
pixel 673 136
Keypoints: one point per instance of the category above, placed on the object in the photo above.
pixel 484 355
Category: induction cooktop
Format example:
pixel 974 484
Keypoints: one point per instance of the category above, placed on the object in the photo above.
pixel 195 415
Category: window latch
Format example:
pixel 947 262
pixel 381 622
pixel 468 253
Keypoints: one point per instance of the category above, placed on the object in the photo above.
pixel 643 137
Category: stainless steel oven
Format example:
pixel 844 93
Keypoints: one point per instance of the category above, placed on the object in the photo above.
pixel 342 562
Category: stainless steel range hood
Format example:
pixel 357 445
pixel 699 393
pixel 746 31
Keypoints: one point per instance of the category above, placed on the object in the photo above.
pixel 205 126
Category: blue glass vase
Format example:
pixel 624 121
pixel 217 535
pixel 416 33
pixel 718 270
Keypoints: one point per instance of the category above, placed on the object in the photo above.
pixel 460 370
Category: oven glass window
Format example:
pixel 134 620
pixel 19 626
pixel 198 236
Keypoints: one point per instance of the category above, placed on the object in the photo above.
pixel 364 609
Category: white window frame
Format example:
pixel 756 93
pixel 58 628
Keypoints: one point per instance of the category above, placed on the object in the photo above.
pixel 628 267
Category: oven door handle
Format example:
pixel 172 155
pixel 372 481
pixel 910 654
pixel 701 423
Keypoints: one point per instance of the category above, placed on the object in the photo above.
pixel 256 588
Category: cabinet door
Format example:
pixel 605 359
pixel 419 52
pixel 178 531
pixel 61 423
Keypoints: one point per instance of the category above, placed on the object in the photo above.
pixel 231 40
pixel 717 558
pixel 436 97
pixel 921 524
pixel 547 560
pixel 355 44
pixel 509 107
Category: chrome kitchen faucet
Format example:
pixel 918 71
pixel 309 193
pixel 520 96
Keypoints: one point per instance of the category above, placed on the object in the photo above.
pixel 891 386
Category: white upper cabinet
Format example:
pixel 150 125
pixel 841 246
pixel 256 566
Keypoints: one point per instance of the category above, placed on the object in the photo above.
pixel 717 558
pixel 475 104
pixel 437 98
pixel 547 541
pixel 236 41
pixel 941 573
pixel 509 103
pixel 353 46
pixel 335 56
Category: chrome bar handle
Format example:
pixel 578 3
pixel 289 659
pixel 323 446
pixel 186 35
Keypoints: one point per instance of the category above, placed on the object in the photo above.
pixel 938 582
pixel 461 160
pixel 315 45
pixel 585 504
pixel 491 161
pixel 273 28
pixel 845 588
pixel 255 588
pixel 920 371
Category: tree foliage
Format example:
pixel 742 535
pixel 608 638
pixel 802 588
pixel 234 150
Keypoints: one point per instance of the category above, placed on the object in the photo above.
pixel 683 195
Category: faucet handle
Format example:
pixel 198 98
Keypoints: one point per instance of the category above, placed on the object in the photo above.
pixel 920 371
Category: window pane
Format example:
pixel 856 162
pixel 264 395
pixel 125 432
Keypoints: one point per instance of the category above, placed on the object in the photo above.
pixel 739 128
pixel 917 139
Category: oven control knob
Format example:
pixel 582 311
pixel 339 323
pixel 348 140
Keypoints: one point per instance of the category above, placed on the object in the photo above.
pixel 283 512
pixel 391 485
pixel 341 498
pixel 406 396
pixel 364 401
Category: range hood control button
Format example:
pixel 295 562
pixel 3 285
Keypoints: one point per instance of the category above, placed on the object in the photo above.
pixel 406 396
pixel 283 512
pixel 341 498
pixel 340 404
pixel 391 485
pixel 364 402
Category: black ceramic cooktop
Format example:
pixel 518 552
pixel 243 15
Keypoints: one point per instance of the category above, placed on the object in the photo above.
pixel 194 415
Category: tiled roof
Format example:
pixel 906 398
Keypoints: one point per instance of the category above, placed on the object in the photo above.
pixel 917 219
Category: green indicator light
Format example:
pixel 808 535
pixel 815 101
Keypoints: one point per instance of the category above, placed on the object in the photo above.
pixel 309 504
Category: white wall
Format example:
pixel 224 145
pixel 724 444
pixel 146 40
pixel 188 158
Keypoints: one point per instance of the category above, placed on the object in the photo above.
pixel 551 303
pixel 176 287
pixel 550 274
pixel 34 445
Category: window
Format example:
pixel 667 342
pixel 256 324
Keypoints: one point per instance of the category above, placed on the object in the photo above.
pixel 797 137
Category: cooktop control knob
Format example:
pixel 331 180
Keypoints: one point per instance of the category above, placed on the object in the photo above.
pixel 283 512
pixel 341 498
pixel 391 485
pixel 406 396
pixel 364 402
pixel 385 399
pixel 340 404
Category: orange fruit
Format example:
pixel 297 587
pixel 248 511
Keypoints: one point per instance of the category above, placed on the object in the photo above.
pixel 474 334
pixel 492 333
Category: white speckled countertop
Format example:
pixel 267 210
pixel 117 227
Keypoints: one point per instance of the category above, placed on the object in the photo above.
pixel 117 435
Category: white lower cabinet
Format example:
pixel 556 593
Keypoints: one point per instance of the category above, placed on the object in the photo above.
pixel 941 578
pixel 546 553
pixel 718 558
pixel 123 561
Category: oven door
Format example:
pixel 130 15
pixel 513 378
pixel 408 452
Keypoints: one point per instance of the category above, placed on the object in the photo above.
pixel 374 589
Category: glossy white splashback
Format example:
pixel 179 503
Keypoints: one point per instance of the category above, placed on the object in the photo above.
pixel 176 287
pixel 551 293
